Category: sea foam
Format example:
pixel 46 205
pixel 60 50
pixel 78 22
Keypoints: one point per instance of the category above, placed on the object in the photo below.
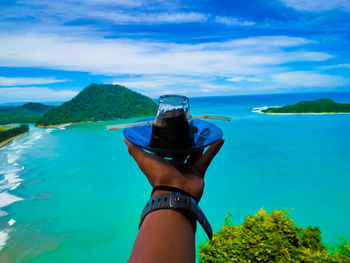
pixel 10 166
pixel 3 213
pixel 49 130
pixel 11 181
pixel 11 169
pixel 11 222
pixel 12 157
pixel 3 238
pixel 6 199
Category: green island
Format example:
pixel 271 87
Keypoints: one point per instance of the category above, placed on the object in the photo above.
pixel 320 106
pixel 271 237
pixel 26 113
pixel 9 133
pixel 100 102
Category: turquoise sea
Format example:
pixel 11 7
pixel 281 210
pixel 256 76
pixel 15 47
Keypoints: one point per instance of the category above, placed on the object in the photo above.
pixel 73 194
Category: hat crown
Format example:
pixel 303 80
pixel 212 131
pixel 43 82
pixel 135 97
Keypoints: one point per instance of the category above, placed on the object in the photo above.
pixel 170 104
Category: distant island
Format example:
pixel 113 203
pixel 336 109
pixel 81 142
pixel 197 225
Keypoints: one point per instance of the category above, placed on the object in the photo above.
pixel 27 113
pixel 100 102
pixel 320 106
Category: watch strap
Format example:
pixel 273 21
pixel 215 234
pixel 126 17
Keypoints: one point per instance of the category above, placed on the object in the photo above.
pixel 184 204
pixel 171 189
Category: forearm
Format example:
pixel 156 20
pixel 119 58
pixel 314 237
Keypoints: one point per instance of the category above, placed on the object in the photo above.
pixel 165 236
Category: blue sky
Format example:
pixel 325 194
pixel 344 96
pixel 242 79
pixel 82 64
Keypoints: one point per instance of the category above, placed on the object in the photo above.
pixel 50 50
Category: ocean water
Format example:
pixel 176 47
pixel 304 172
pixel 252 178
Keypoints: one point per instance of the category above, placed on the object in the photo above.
pixel 73 194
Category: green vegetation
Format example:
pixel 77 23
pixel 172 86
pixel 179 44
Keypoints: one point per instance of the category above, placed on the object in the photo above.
pixel 3 128
pixel 316 106
pixel 27 113
pixel 270 237
pixel 100 102
pixel 10 133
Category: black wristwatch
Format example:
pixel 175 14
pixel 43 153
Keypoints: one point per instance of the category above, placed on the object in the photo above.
pixel 179 202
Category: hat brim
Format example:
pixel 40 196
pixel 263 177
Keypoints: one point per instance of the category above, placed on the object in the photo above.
pixel 205 135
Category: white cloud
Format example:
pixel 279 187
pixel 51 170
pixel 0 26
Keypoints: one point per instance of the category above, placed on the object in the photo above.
pixel 308 79
pixel 155 68
pixel 154 18
pixel 115 56
pixel 238 79
pixel 117 12
pixel 179 17
pixel 318 5
pixel 251 44
pixel 4 81
pixel 233 21
pixel 34 94
pixel 336 66
pixel 124 3
pixel 155 86
pixel 89 3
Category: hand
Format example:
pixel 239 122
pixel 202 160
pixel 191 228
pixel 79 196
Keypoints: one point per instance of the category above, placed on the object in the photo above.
pixel 188 175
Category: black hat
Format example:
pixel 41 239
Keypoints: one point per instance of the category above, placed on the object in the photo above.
pixel 174 132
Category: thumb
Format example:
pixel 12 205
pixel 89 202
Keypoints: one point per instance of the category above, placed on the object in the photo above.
pixel 148 163
pixel 139 155
pixel 134 150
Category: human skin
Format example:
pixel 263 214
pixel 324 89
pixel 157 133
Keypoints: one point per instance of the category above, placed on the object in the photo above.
pixel 167 235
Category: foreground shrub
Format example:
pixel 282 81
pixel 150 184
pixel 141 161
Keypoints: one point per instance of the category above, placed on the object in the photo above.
pixel 270 237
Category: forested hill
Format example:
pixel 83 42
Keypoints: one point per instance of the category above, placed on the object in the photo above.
pixel 100 102
pixel 316 106
pixel 27 113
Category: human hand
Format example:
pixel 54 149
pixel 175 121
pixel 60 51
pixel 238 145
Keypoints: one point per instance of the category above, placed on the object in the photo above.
pixel 188 175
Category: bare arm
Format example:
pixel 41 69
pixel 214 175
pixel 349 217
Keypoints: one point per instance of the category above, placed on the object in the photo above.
pixel 166 235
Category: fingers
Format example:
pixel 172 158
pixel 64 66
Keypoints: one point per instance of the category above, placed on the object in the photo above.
pixel 149 164
pixel 144 160
pixel 179 159
pixel 194 157
pixel 203 163
pixel 136 153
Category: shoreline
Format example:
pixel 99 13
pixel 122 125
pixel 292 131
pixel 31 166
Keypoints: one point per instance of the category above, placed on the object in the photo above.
pixel 58 125
pixel 301 113
pixel 82 122
pixel 2 144
pixel 64 124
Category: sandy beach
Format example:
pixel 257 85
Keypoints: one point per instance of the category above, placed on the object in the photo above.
pixel 2 144
pixel 56 126
pixel 260 110
pixel 325 113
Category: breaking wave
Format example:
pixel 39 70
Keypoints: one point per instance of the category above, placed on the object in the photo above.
pixel 10 172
